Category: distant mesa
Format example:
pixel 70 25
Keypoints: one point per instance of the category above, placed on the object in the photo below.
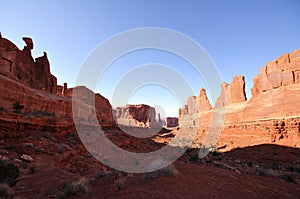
pixel 140 115
pixel 171 122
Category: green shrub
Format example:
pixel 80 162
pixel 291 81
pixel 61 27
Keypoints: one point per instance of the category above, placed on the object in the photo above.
pixel 32 170
pixel 8 173
pixel 17 107
pixel 6 191
pixel 288 178
pixel 169 170
pixel 120 180
pixel 193 158
pixel 74 188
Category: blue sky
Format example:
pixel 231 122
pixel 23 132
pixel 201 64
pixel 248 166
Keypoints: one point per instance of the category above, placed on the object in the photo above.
pixel 240 36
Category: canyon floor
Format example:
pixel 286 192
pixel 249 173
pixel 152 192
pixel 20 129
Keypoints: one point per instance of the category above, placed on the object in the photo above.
pixel 62 168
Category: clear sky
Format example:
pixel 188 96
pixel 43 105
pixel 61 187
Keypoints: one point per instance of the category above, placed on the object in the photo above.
pixel 240 36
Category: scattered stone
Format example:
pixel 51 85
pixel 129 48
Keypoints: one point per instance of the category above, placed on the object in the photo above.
pixel 26 158
pixel 30 145
pixel 17 160
pixel 3 152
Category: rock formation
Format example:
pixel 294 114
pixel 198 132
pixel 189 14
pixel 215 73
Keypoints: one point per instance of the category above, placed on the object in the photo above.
pixel 44 80
pixel 20 66
pixel 232 93
pixel 203 102
pixel 31 84
pixel 140 115
pixel 275 96
pixel 195 105
pixel 64 91
pixel 171 121
pixel 283 71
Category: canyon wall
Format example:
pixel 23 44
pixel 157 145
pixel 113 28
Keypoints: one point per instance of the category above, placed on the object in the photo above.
pixel 275 97
pixel 30 82
pixel 283 71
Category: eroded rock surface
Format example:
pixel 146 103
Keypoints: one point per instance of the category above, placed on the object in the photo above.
pixel 283 71
pixel 171 121
pixel 140 115
pixel 275 96
pixel 20 66
pixel 30 83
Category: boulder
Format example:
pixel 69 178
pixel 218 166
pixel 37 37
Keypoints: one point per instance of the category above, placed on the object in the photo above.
pixel 26 158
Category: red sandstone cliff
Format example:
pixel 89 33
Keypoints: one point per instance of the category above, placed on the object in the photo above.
pixel 30 82
pixel 275 99
pixel 19 65
pixel 140 115
pixel 283 71
pixel 275 93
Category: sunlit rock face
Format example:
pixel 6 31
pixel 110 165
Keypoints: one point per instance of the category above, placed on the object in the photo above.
pixel 283 71
pixel 140 115
pixel 275 97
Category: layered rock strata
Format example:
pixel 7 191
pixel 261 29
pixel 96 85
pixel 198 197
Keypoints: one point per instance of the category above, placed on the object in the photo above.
pixel 140 115
pixel 29 82
pixel 275 97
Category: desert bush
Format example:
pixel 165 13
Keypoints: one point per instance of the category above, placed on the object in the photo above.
pixel 49 192
pixel 62 147
pixel 193 158
pixel 3 109
pixel 32 170
pixel 74 188
pixel 169 170
pixel 47 135
pixel 121 179
pixel 6 191
pixel 17 107
pixel 215 153
pixel 8 173
pixel 288 178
